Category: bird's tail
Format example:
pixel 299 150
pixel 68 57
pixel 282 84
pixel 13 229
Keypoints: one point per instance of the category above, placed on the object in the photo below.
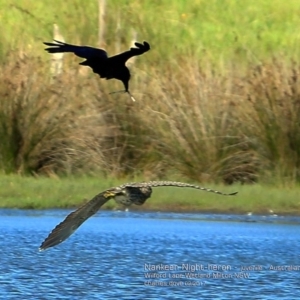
pixel 59 47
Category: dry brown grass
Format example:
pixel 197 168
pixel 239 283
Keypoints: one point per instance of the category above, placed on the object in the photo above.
pixel 231 126
pixel 189 121
pixel 48 125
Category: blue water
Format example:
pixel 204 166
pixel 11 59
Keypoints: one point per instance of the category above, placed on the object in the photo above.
pixel 110 256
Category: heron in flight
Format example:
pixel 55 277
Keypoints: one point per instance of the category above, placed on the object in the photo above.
pixel 97 59
pixel 129 193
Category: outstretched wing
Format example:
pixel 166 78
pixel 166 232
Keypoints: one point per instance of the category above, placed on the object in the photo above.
pixel 70 224
pixel 123 57
pixel 128 193
pixel 174 184
pixel 81 51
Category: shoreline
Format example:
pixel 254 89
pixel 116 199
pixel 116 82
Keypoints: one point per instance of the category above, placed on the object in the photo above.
pixel 25 192
pixel 196 210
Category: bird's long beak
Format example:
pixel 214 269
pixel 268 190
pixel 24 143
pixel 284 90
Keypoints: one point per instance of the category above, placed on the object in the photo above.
pixel 124 91
pixel 132 98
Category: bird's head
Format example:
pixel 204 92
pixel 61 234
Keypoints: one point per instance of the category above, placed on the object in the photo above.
pixel 124 75
pixel 119 194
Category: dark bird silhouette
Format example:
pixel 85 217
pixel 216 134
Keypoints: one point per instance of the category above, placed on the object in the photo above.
pixel 97 59
pixel 126 194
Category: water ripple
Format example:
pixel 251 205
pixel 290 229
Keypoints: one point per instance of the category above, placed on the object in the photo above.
pixel 109 257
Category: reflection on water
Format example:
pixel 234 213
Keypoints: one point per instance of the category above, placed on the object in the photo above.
pixel 124 255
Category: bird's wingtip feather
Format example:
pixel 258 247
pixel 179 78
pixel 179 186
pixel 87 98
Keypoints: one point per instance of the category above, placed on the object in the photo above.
pixel 232 194
pixel 146 44
pixel 59 42
pixel 139 45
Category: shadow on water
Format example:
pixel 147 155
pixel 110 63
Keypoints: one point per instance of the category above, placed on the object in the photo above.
pixel 125 255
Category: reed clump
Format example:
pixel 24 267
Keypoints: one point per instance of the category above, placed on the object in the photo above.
pixel 195 123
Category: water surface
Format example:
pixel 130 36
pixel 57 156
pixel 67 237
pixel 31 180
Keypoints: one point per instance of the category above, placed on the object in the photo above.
pixel 126 255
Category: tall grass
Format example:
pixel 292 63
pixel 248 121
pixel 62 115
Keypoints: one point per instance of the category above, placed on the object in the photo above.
pixel 237 127
pixel 218 96
pixel 62 125
pixel 43 121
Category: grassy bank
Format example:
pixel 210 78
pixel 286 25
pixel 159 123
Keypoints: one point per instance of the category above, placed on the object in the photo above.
pixel 218 94
pixel 41 193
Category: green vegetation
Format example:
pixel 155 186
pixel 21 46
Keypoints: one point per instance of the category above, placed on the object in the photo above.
pixel 218 98
pixel 44 192
pixel 219 30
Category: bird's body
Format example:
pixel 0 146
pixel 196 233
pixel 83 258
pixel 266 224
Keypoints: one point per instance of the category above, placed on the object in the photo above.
pixel 98 60
pixel 130 193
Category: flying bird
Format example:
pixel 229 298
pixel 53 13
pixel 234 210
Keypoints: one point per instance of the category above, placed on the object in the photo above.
pixel 129 193
pixel 97 59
